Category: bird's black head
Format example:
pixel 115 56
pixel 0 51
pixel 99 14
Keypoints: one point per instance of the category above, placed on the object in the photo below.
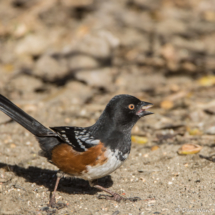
pixel 123 111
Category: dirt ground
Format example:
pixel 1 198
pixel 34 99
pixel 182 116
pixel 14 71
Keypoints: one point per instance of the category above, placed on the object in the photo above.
pixel 63 60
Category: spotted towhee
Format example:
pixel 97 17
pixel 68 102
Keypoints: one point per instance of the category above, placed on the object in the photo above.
pixel 91 152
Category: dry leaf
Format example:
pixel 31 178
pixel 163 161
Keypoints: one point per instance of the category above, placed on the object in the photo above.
pixel 168 52
pixel 174 88
pixel 188 149
pixel 207 81
pixel 209 16
pixel 138 139
pixel 154 148
pixel 194 131
pixel 12 145
pixel 167 104
pixel 176 96
pixel 9 67
pixel 30 108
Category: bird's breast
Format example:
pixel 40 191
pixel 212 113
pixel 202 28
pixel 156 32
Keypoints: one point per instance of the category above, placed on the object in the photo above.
pixel 96 162
pixel 114 160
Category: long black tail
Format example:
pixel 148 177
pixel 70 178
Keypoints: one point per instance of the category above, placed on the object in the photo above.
pixel 47 138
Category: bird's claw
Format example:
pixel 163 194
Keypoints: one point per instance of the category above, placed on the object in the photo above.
pixel 134 199
pixel 52 202
pixel 116 197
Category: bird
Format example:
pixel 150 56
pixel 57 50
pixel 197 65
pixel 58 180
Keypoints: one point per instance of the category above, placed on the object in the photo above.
pixel 90 152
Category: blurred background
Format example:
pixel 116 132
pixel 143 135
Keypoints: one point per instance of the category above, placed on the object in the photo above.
pixel 63 60
pixel 67 58
pixel 58 55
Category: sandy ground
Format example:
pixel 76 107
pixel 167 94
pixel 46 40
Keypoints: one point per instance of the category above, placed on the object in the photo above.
pixel 62 61
pixel 166 182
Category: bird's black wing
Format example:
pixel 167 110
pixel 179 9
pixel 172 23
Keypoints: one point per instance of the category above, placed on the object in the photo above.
pixel 79 138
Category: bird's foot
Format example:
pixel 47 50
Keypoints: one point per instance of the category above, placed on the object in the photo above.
pixel 58 205
pixel 134 199
pixel 118 198
pixel 114 196
pixel 52 201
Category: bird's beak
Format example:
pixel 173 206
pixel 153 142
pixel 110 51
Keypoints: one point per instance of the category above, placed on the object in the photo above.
pixel 143 107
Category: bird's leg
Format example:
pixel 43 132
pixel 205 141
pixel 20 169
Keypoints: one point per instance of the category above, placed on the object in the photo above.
pixel 114 196
pixel 52 201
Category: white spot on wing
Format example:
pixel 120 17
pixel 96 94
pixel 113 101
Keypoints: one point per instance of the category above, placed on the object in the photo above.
pixel 81 145
pixel 93 141
pixel 85 137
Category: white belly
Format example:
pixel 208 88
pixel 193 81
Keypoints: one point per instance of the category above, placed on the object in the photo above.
pixel 113 162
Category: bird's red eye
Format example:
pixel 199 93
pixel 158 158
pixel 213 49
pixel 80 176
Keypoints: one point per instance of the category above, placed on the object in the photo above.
pixel 131 106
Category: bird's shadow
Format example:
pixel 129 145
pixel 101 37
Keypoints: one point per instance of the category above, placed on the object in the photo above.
pixel 47 178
